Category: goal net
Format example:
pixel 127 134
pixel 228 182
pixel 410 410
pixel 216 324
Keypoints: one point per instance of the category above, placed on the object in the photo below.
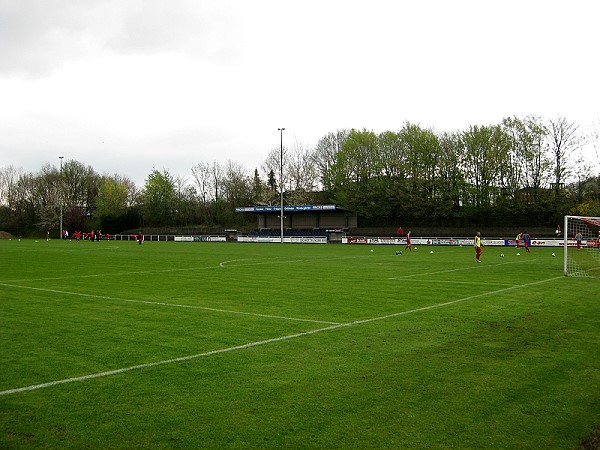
pixel 582 246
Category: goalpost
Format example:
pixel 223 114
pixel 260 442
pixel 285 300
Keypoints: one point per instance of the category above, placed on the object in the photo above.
pixel 582 246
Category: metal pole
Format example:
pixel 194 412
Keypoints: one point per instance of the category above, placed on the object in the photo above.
pixel 566 246
pixel 60 197
pixel 281 180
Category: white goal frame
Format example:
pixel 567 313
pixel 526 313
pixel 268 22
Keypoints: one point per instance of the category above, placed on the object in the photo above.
pixel 583 262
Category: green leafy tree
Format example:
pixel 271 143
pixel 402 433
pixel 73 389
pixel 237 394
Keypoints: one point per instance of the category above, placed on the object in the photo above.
pixel 111 199
pixel 45 193
pixel 483 156
pixel 423 153
pixel 159 199
pixel 355 171
pixel 79 191
pixel 32 211
pixel 325 155
pixel 111 206
pixel 257 185
pixel 529 169
pixel 450 182
pixel 392 155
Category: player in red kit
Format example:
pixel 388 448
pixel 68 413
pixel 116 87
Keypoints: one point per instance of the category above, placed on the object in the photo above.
pixel 478 249
pixel 527 241
pixel 408 244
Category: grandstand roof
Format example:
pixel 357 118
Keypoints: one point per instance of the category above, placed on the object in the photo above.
pixel 289 208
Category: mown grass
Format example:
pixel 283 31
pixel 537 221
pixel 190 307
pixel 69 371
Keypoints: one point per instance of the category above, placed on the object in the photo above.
pixel 346 347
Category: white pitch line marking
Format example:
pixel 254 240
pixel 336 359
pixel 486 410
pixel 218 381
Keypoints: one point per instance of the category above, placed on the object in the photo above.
pixel 174 305
pixel 266 341
pixel 448 271
pixel 108 274
pixel 475 283
pixel 181 269
pixel 452 302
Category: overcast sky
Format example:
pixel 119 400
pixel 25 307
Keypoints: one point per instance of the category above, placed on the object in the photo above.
pixel 129 85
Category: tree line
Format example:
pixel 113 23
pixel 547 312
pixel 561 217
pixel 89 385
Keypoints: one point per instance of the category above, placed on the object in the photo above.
pixel 522 171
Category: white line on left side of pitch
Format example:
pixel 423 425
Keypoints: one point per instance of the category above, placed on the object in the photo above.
pixel 269 341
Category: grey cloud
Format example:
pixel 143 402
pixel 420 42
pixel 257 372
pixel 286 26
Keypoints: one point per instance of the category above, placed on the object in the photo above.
pixel 155 27
pixel 38 36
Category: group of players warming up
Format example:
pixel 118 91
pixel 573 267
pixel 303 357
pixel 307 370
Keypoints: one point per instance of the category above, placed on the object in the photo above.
pixel 523 237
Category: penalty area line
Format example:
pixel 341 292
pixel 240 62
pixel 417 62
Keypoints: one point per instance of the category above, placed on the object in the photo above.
pixel 266 341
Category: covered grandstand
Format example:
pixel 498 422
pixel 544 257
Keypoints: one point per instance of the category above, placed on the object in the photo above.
pixel 301 221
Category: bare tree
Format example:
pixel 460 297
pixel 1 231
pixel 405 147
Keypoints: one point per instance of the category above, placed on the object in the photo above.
pixel 302 174
pixel 204 180
pixel 207 178
pixel 593 141
pixel 236 184
pixel 564 141
pixel 216 172
pixel 582 173
pixel 530 164
pixel 9 177
pixel 276 158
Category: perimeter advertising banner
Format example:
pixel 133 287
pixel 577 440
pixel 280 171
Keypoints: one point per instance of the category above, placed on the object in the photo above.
pixel 459 242
pixel 200 239
pixel 286 239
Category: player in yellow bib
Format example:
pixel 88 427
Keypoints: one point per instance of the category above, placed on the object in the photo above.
pixel 478 248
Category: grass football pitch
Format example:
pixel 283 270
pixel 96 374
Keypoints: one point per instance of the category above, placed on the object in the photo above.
pixel 229 345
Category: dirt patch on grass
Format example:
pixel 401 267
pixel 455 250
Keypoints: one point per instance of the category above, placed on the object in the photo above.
pixel 5 235
pixel 593 440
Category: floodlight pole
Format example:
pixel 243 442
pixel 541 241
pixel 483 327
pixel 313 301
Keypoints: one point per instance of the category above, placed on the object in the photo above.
pixel 60 198
pixel 281 179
